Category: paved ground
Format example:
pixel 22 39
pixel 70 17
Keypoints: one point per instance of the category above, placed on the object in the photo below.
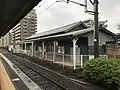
pixel 19 85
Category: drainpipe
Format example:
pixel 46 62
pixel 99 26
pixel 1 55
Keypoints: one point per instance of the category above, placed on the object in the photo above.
pixel 74 52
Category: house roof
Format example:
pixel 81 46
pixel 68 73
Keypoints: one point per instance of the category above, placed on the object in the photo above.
pixel 118 36
pixel 57 30
pixel 73 33
pixel 65 29
pixel 107 31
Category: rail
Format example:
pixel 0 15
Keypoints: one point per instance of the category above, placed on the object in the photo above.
pixel 58 80
pixel 32 72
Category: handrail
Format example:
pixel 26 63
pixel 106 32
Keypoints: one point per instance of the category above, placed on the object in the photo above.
pixel 5 82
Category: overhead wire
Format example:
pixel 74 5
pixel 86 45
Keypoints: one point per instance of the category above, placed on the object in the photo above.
pixel 47 8
pixel 41 4
pixel 38 6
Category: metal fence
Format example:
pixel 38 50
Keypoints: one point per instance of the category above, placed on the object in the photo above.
pixel 38 54
pixel 29 52
pixel 67 60
pixel 64 59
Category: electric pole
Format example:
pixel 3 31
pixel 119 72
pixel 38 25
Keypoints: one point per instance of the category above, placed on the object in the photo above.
pixel 96 30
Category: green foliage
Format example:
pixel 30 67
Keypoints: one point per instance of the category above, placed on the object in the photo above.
pixel 103 71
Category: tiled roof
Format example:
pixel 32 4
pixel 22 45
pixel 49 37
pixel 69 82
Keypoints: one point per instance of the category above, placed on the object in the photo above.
pixel 65 29
pixel 73 33
pixel 54 31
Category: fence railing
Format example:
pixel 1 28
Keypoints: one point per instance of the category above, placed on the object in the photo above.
pixel 29 52
pixel 38 54
pixel 64 59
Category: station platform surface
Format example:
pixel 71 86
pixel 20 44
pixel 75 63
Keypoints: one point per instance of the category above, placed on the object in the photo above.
pixel 15 80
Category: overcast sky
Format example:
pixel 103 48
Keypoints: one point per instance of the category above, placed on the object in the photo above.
pixel 62 13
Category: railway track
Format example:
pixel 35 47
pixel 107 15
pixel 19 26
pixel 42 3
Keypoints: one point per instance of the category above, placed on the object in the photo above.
pixel 44 78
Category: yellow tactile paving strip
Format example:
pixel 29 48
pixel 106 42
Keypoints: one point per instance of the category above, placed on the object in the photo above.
pixel 5 81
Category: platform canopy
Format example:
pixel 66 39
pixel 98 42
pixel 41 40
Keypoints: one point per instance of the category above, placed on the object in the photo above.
pixel 12 11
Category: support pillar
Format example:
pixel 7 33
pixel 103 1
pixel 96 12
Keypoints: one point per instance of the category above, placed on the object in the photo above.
pixel 74 52
pixel 25 48
pixel 32 48
pixel 43 49
pixel 54 45
pixel 81 61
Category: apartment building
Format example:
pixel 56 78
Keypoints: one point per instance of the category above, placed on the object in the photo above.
pixel 25 28
pixel 5 40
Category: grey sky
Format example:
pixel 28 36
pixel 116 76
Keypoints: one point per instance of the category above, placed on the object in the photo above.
pixel 62 13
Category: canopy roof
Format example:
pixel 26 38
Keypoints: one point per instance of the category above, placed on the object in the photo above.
pixel 73 34
pixel 12 11
pixel 66 31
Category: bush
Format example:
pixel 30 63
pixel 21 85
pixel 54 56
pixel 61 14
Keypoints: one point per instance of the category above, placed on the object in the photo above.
pixel 103 71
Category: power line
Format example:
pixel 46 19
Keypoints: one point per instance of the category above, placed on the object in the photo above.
pixel 40 5
pixel 47 8
pixel 52 5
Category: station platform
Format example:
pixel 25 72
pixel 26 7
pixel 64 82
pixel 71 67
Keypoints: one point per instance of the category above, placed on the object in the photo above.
pixel 9 80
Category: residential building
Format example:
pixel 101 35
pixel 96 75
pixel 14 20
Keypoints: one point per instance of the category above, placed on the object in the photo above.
pixel 113 47
pixel 90 23
pixel 70 45
pixel 5 40
pixel 25 28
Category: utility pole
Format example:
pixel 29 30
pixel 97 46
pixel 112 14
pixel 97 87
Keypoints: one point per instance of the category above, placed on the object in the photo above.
pixel 96 30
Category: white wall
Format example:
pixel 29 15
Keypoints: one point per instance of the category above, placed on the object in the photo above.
pixel 103 37
pixel 6 40
pixel 0 42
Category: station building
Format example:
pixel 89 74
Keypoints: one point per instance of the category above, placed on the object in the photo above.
pixel 69 45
